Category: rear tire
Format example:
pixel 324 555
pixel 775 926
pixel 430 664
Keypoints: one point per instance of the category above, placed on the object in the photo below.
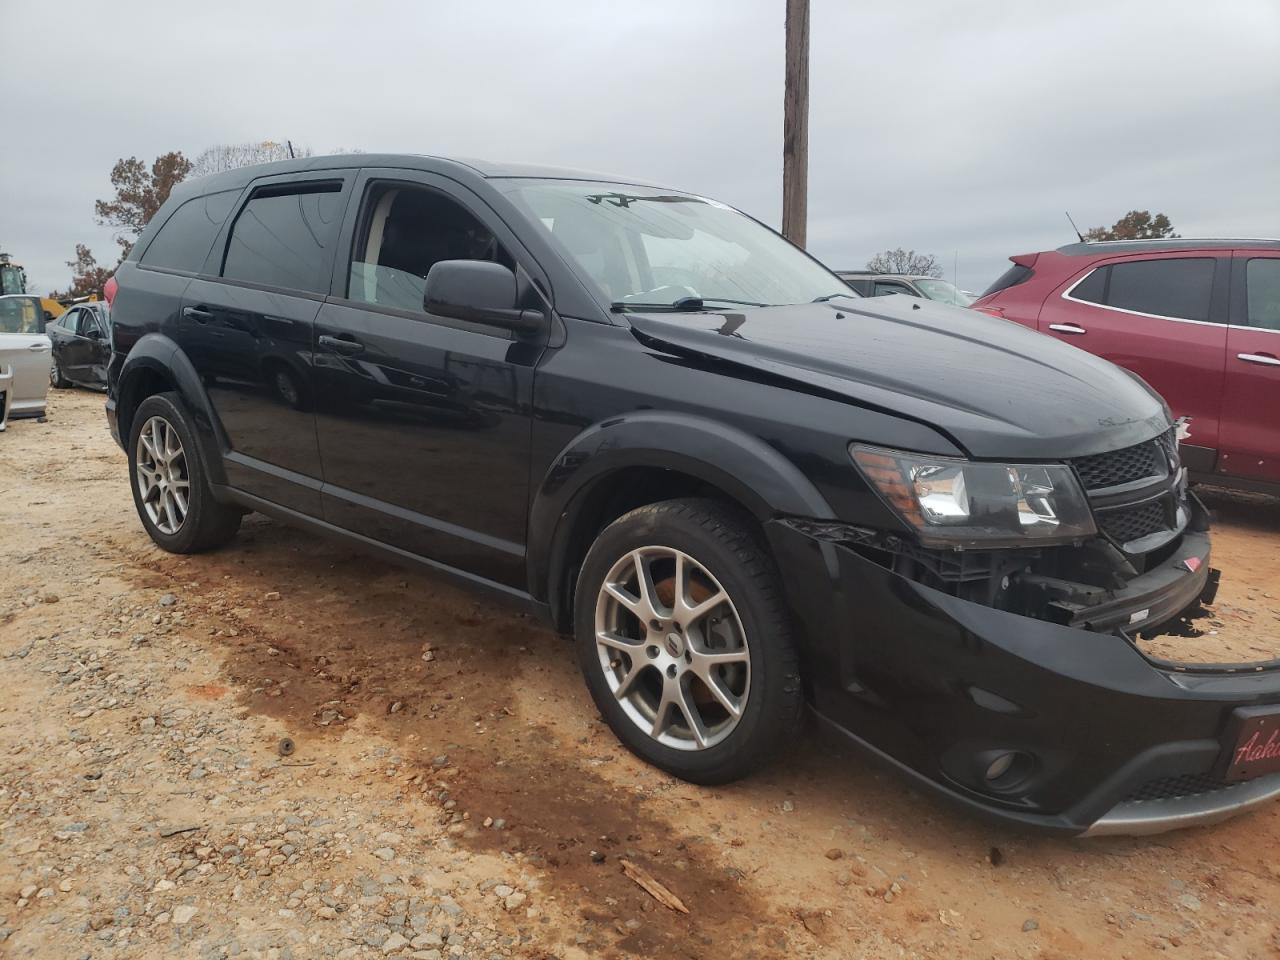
pixel 170 480
pixel 706 633
pixel 57 378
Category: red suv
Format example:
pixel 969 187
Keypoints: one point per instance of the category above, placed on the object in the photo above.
pixel 1199 320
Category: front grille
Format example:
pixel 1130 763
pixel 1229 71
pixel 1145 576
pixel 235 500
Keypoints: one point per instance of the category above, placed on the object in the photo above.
pixel 1131 523
pixel 1175 788
pixel 1149 459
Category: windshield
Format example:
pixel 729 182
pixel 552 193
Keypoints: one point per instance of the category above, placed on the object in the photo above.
pixel 647 248
pixel 944 291
pixel 20 315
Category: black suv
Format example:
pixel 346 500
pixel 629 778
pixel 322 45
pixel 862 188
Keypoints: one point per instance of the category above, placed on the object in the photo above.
pixel 737 484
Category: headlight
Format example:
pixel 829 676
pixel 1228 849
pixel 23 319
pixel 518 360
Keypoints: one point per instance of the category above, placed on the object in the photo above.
pixel 960 503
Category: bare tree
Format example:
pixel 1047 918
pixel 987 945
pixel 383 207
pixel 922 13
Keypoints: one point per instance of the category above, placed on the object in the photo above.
pixel 230 156
pixel 905 261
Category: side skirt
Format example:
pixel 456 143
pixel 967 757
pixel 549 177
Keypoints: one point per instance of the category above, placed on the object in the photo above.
pixel 518 600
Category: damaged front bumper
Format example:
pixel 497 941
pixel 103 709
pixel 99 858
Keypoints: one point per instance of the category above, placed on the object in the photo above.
pixel 1102 738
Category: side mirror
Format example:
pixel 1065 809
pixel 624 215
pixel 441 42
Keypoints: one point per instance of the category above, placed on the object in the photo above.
pixel 93 333
pixel 479 291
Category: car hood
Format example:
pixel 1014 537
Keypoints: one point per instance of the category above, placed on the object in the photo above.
pixel 995 388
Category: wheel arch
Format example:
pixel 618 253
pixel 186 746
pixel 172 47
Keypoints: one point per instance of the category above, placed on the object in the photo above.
pixel 157 365
pixel 626 462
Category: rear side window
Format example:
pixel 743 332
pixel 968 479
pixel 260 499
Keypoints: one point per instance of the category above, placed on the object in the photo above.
pixel 184 240
pixel 284 237
pixel 1010 278
pixel 1262 286
pixel 1092 288
pixel 1179 288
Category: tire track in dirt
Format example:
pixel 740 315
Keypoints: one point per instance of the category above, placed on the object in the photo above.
pixel 356 655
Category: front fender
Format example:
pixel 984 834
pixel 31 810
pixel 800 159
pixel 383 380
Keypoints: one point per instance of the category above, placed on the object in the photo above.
pixel 157 355
pixel 743 466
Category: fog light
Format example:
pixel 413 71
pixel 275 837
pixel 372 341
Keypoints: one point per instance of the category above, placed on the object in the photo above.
pixel 1000 766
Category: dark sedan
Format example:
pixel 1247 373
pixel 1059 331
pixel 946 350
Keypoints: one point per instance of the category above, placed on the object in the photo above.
pixel 81 346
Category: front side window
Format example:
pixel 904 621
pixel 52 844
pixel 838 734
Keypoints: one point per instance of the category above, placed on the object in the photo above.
pixel 89 322
pixel 404 231
pixel 284 237
pixel 1262 292
pixel 944 291
pixel 886 289
pixel 20 315
pixel 1175 287
pixel 644 248
pixel 185 238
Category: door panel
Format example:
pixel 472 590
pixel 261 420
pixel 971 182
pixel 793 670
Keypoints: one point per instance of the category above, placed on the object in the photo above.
pixel 1251 401
pixel 96 349
pixel 424 437
pixel 1182 360
pixel 423 421
pixel 249 334
pixel 252 349
pixel 67 349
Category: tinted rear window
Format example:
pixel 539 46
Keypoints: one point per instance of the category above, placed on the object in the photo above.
pixel 284 237
pixel 1093 287
pixel 1262 282
pixel 1010 278
pixel 184 240
pixel 1167 288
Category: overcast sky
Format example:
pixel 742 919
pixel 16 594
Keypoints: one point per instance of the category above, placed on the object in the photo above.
pixel 948 127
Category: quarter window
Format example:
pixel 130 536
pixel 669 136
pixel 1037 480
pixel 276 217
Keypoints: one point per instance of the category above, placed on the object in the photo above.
pixel 184 240
pixel 284 237
pixel 405 231
pixel 1092 288
pixel 1262 291
pixel 1177 287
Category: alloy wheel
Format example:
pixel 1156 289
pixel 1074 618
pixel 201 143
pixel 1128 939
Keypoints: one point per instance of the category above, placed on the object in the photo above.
pixel 672 648
pixel 164 482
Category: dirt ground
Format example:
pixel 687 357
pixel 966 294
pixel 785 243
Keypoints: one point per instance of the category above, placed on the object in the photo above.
pixel 452 793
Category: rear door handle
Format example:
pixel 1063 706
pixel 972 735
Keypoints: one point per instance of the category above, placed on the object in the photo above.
pixel 345 345
pixel 38 347
pixel 198 314
pixel 1263 358
pixel 1068 328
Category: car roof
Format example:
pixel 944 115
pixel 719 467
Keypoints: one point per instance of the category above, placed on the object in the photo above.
pixel 1096 247
pixel 461 167
pixel 871 275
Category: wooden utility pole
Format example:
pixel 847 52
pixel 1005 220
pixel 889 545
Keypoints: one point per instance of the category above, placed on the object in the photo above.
pixel 795 125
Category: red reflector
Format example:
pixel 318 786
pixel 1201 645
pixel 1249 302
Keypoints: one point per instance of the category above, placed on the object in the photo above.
pixel 109 290
pixel 1192 563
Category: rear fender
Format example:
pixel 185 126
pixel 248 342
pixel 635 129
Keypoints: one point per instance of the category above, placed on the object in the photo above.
pixel 157 354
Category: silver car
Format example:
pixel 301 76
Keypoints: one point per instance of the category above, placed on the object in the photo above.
pixel 24 355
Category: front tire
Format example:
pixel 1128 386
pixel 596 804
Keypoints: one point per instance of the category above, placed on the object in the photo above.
pixel 685 641
pixel 170 481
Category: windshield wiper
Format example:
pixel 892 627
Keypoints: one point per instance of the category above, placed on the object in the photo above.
pixel 832 296
pixel 683 305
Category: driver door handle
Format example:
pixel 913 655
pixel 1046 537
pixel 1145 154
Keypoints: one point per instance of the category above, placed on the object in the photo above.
pixel 37 347
pixel 1263 358
pixel 342 344
pixel 1071 328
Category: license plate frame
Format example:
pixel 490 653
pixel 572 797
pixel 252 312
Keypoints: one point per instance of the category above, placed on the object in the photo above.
pixel 1253 745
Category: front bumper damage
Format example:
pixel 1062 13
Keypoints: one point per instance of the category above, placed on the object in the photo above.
pixel 1107 740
